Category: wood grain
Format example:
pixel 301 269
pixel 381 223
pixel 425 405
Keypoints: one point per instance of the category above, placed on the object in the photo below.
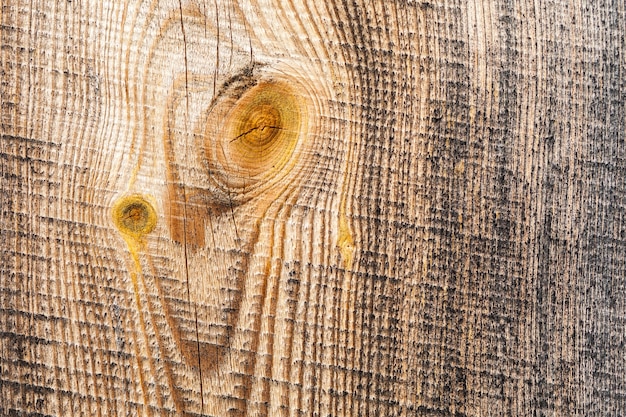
pixel 297 207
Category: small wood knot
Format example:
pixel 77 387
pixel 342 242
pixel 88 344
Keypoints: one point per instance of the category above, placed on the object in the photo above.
pixel 134 216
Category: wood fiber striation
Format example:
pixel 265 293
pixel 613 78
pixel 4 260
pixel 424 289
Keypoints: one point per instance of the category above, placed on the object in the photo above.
pixel 305 208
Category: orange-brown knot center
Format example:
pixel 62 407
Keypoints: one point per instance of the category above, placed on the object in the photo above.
pixel 261 131
pixel 134 216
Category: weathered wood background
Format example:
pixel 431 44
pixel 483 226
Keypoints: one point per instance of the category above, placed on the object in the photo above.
pixel 363 208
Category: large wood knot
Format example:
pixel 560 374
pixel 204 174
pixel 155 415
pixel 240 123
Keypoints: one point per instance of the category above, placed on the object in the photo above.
pixel 252 141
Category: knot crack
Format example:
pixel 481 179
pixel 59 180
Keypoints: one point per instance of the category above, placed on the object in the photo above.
pixel 261 128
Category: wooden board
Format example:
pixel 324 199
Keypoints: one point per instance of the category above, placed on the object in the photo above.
pixel 320 208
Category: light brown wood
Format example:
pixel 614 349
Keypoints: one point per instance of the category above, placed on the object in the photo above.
pixel 321 208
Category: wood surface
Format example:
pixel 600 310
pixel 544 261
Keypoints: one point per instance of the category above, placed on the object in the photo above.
pixel 312 208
